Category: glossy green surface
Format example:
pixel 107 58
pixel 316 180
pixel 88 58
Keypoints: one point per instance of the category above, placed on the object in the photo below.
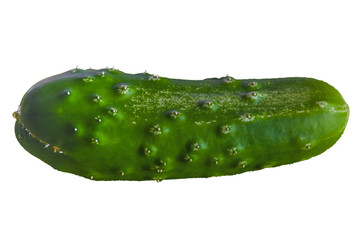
pixel 108 125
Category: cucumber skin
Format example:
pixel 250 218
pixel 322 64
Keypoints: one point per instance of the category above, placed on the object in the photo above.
pixel 108 125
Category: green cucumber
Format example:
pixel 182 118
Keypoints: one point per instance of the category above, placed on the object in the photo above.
pixel 109 125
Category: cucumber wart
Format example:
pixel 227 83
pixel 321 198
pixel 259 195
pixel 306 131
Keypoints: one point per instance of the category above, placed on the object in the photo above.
pixel 109 125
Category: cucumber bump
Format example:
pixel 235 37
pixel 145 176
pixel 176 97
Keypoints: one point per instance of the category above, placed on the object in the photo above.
pixel 109 125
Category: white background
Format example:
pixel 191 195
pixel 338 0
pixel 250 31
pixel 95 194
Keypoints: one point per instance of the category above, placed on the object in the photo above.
pixel 314 199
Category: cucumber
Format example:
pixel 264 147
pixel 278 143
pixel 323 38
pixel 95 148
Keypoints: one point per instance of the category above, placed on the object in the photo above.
pixel 109 125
